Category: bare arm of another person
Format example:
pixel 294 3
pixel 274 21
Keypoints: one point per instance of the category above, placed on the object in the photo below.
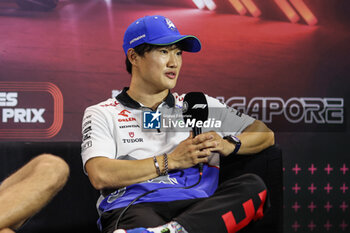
pixel 30 188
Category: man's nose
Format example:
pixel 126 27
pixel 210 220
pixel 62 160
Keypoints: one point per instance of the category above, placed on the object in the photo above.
pixel 173 60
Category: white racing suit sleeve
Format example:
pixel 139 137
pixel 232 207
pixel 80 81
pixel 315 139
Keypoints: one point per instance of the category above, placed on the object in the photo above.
pixel 232 121
pixel 97 134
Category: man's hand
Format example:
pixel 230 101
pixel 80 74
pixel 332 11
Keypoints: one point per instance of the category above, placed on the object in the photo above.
pixel 223 146
pixel 255 138
pixel 191 151
pixel 196 150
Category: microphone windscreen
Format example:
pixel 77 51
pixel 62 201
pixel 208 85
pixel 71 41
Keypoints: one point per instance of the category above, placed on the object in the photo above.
pixel 195 106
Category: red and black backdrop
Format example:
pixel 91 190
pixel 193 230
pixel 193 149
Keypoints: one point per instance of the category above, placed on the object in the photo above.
pixel 284 62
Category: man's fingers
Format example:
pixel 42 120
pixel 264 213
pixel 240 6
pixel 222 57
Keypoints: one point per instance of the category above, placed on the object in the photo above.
pixel 203 160
pixel 203 153
pixel 202 138
pixel 191 135
pixel 207 145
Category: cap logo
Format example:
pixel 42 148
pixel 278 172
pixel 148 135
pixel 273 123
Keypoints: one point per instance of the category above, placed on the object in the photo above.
pixel 171 25
pixel 137 38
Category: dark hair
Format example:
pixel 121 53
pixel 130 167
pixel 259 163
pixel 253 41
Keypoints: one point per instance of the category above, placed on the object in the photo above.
pixel 145 48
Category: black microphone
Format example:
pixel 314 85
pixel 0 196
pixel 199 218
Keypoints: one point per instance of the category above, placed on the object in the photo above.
pixel 195 108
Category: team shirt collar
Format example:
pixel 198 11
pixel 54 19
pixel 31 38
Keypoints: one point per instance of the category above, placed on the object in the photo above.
pixel 126 100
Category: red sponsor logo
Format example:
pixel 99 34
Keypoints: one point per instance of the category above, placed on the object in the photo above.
pixel 124 113
pixel 110 105
pixel 127 119
pixel 131 134
pixel 30 110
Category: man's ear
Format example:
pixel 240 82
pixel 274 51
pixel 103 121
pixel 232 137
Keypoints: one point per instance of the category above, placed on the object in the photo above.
pixel 132 56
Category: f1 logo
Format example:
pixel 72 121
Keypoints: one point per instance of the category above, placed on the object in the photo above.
pixel 202 106
pixel 151 120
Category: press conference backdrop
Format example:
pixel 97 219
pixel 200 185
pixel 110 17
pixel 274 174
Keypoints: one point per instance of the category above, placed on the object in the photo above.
pixel 287 69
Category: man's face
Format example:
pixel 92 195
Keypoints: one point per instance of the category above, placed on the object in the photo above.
pixel 160 68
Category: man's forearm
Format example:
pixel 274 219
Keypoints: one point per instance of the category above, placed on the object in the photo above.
pixel 256 138
pixel 105 173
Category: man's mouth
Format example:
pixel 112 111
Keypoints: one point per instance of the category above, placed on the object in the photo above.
pixel 170 75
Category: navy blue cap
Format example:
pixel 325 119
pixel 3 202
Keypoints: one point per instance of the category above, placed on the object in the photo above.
pixel 157 30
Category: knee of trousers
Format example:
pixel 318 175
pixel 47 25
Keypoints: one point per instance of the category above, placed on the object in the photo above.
pixel 253 182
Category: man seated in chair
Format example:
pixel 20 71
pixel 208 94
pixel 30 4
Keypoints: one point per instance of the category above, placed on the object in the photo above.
pixel 167 180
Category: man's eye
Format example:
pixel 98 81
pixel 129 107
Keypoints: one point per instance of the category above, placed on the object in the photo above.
pixel 164 51
pixel 179 53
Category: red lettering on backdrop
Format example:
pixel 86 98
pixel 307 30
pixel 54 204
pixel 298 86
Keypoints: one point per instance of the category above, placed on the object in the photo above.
pixel 249 210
